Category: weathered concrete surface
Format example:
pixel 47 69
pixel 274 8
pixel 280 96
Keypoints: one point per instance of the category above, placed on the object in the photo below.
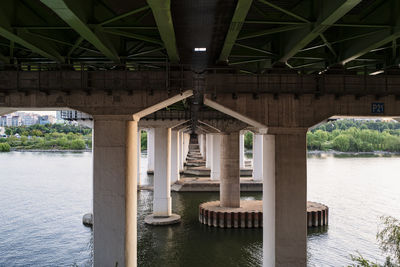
pixel 290 199
pixel 162 172
pixel 230 173
pixel 114 191
pixel 284 113
pixel 216 157
pixel 248 215
pixel 197 184
pixel 154 220
pixel 257 157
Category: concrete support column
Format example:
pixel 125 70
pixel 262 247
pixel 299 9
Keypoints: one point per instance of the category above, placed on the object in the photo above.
pixel 268 151
pixel 174 156
pixel 216 157
pixel 204 145
pixel 241 150
pixel 162 172
pixel 199 141
pixel 139 153
pixel 257 157
pixel 181 152
pixel 115 191
pixel 230 172
pixel 290 201
pixel 186 140
pixel 150 150
pixel 209 150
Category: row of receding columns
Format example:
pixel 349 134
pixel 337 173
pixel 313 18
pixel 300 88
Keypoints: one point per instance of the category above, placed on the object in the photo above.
pixel 115 171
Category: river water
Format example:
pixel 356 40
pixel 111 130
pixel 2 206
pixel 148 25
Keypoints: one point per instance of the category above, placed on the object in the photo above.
pixel 44 195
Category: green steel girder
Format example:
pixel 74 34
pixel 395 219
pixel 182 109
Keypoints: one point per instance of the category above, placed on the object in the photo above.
pixel 130 13
pixel 162 15
pixel 365 45
pixel 271 31
pixel 23 38
pixel 331 12
pixel 134 36
pixel 68 11
pixel 242 8
pixel 353 50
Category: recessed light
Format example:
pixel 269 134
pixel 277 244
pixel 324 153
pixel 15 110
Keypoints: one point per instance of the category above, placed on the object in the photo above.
pixel 200 49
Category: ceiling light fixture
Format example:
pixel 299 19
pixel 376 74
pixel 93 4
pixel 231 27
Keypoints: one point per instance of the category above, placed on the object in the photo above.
pixel 200 49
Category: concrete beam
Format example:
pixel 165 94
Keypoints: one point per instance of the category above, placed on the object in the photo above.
pixel 68 11
pixel 162 104
pixel 208 102
pixel 331 11
pixel 161 123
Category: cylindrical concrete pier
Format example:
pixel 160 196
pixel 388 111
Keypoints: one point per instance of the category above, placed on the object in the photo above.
pixel 230 172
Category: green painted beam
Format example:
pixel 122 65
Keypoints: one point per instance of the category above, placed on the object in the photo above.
pixel 331 11
pixel 146 52
pixel 242 8
pixel 162 15
pixel 68 11
pixel 130 13
pixel 22 38
pixel 271 31
pixel 255 49
pixel 134 36
pixel 356 49
pixel 287 12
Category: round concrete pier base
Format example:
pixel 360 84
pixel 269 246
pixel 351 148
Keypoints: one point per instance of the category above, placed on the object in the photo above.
pixel 154 220
pixel 250 214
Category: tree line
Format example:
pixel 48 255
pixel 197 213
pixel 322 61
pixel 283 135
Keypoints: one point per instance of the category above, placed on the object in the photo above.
pixel 355 136
pixel 47 137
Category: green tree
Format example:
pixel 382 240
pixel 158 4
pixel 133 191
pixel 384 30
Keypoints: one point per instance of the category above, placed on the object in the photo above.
pixel 389 241
pixel 77 144
pixel 4 147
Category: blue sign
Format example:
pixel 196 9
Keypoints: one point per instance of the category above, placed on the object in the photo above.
pixel 377 108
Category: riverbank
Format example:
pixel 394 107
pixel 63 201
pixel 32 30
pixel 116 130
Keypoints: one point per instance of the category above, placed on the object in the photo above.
pixel 335 152
pixel 51 150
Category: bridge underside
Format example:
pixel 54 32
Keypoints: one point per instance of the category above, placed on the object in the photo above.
pixel 209 66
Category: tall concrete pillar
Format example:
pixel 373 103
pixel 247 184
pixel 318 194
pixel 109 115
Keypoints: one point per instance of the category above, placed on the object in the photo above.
pixel 257 157
pixel 186 140
pixel 209 150
pixel 174 156
pixel 114 191
pixel 204 145
pixel 241 150
pixel 230 172
pixel 150 150
pixel 286 235
pixel 199 141
pixel 181 152
pixel 162 172
pixel 268 151
pixel 139 152
pixel 216 157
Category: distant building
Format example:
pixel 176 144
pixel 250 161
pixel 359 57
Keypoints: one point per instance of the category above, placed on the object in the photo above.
pixel 28 119
pixel 3 121
pixel 15 121
pixel 43 120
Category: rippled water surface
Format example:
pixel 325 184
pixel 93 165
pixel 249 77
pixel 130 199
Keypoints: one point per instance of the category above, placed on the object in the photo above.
pixel 44 195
